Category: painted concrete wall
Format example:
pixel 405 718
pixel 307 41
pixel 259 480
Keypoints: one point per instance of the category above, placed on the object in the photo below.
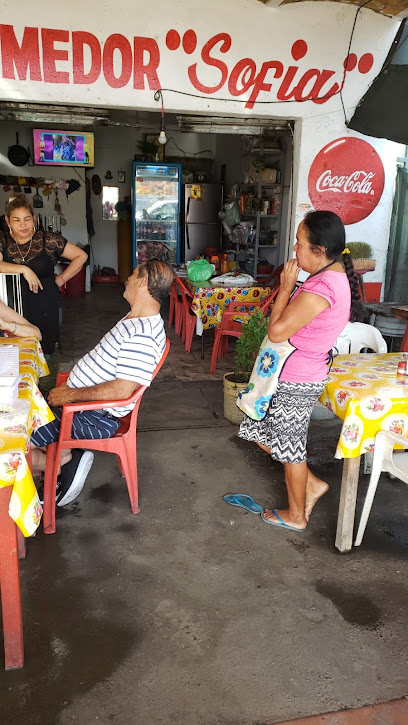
pixel 73 207
pixel 115 148
pixel 239 57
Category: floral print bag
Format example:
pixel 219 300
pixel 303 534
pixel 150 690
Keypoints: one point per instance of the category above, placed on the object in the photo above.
pixel 255 398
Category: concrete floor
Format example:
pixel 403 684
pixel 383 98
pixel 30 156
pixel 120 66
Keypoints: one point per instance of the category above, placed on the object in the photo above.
pixel 196 612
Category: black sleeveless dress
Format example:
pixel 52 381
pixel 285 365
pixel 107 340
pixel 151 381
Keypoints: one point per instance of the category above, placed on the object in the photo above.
pixel 41 308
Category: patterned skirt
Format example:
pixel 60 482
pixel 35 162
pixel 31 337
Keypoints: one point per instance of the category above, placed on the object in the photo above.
pixel 285 425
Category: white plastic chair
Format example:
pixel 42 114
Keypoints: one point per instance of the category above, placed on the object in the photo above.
pixel 356 336
pixel 16 302
pixel 385 459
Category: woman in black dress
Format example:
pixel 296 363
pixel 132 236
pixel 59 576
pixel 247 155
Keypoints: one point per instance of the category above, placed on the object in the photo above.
pixel 34 254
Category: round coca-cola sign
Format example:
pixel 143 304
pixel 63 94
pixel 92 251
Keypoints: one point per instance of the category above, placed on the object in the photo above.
pixel 347 177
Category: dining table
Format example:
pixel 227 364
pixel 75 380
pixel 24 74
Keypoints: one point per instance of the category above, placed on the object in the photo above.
pixel 365 391
pixel 210 300
pixel 20 508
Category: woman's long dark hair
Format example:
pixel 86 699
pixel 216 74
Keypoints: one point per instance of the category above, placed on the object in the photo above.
pixel 325 229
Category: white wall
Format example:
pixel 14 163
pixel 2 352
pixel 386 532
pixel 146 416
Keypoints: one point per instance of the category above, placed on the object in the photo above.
pixel 246 42
pixel 73 206
pixel 374 229
pixel 115 148
pixel 246 29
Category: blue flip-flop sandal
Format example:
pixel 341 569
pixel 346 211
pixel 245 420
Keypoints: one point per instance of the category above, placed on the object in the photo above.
pixel 244 501
pixel 279 523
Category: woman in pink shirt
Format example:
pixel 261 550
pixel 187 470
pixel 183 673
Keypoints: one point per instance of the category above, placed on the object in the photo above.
pixel 311 320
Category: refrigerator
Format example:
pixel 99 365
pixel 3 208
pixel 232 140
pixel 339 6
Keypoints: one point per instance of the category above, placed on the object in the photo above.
pixel 202 227
pixel 156 206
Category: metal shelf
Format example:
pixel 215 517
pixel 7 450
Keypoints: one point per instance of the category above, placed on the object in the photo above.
pixel 262 216
pixel 273 157
pixel 163 241
pixel 268 185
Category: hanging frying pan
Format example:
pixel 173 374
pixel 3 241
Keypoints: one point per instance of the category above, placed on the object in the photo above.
pixel 18 155
pixel 96 185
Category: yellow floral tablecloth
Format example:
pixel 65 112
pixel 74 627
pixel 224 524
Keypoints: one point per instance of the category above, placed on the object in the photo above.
pixel 366 393
pixel 25 508
pixel 210 302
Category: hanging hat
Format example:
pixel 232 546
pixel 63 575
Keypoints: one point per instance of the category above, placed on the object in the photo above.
pixel 17 188
pixel 47 191
pixel 27 190
pixel 6 187
pixel 22 180
pixel 61 184
pixel 108 175
pixel 73 185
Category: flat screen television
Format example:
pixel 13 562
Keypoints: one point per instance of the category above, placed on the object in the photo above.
pixel 63 148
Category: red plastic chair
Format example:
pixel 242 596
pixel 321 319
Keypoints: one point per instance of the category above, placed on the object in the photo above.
pixel 123 444
pixel 234 328
pixel 273 280
pixel 189 318
pixel 175 308
pixel 172 303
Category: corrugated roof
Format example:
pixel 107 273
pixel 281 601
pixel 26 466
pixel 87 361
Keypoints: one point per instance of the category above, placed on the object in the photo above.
pixel 392 8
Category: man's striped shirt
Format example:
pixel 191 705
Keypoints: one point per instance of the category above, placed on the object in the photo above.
pixel 131 350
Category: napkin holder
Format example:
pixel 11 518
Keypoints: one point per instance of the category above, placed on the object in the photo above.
pixel 9 377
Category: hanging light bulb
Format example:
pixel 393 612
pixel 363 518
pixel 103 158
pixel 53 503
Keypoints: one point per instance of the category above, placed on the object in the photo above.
pixel 162 135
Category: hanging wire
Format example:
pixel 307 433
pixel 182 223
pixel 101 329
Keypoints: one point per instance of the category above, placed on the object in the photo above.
pixel 340 91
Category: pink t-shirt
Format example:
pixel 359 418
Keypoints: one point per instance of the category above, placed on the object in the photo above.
pixel 308 364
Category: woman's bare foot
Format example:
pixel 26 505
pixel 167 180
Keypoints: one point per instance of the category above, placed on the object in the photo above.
pixel 284 515
pixel 315 489
pixel 263 447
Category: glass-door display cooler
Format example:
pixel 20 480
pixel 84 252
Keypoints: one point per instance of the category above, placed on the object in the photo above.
pixel 156 212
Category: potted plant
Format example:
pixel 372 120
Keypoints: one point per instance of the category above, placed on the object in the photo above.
pixel 361 253
pixel 246 351
pixel 124 208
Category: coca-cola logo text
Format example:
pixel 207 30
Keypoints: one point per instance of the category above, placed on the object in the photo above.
pixel 359 181
pixel 347 177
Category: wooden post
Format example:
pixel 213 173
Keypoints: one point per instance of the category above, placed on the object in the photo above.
pixel 10 585
pixel 347 507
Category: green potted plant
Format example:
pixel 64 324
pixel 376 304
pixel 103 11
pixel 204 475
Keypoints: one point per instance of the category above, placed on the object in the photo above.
pixel 361 253
pixel 246 351
pixel 124 208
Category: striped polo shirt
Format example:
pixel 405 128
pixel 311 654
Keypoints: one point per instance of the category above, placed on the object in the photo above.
pixel 131 350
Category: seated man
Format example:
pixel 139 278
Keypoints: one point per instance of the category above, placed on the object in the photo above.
pixel 125 358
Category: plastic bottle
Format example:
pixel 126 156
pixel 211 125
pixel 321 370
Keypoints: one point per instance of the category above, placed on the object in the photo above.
pixel 224 264
pixel 402 367
pixel 275 205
